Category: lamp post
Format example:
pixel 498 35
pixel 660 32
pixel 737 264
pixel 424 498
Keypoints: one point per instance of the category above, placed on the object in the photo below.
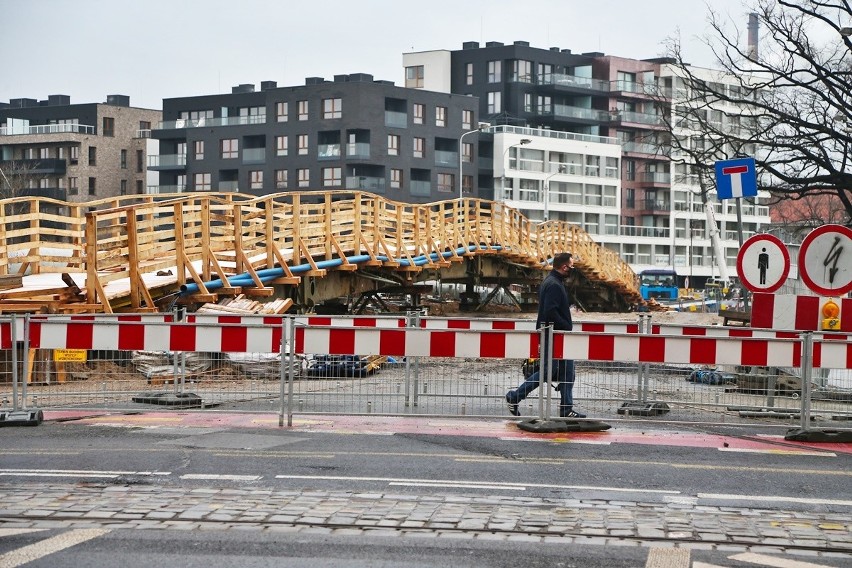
pixel 560 170
pixel 482 126
pixel 521 142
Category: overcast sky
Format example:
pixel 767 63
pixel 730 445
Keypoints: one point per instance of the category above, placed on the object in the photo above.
pixel 156 49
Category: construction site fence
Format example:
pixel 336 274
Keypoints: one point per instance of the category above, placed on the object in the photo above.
pixel 421 366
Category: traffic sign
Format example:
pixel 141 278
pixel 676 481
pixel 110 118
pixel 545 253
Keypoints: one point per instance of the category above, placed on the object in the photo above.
pixel 736 178
pixel 825 260
pixel 763 263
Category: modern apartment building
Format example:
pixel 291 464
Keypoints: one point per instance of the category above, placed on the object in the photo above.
pixel 74 152
pixel 350 133
pixel 598 149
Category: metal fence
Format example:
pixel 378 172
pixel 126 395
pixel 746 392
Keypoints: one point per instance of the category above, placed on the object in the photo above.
pixel 422 366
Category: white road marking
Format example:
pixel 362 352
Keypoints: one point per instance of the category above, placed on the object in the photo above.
pixel 457 485
pixel 74 473
pixel 221 476
pixel 764 560
pixel 15 532
pixel 775 499
pixel 779 452
pixel 41 549
pixel 667 558
pixel 444 482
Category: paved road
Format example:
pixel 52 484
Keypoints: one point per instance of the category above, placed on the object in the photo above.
pixel 324 489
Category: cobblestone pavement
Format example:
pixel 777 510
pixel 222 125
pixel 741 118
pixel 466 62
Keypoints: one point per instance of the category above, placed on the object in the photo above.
pixel 530 519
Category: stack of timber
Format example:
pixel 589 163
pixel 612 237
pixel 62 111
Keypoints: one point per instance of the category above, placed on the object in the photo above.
pixel 242 305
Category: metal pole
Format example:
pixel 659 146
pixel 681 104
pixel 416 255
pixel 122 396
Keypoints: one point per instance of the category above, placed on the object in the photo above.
pixel 26 365
pixel 740 240
pixel 282 375
pixel 807 373
pixel 291 368
pixel 14 337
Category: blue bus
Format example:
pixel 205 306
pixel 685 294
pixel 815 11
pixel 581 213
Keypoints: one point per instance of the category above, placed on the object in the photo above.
pixel 659 283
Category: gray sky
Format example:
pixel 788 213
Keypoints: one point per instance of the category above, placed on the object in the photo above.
pixel 156 49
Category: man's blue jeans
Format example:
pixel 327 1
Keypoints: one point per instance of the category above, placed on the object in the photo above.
pixel 563 371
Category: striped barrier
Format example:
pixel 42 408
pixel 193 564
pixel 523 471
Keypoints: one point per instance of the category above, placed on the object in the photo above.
pixel 5 335
pixel 802 313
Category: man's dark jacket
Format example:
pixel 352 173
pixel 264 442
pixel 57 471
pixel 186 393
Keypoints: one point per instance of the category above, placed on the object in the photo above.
pixel 554 304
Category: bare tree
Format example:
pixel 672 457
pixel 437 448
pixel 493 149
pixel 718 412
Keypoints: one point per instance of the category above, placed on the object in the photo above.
pixel 16 176
pixel 793 99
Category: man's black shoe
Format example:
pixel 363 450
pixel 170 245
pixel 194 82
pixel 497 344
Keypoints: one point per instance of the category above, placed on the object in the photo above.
pixel 572 414
pixel 513 407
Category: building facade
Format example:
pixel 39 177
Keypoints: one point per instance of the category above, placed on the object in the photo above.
pixel 640 200
pixel 350 133
pixel 74 152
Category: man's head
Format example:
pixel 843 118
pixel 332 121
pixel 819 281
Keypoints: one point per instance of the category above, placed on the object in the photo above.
pixel 562 263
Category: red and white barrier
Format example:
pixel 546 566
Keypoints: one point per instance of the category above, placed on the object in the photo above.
pixel 832 354
pixel 132 336
pixel 5 335
pixel 802 313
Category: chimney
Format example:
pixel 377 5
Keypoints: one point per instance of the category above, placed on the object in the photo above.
pixel 753 26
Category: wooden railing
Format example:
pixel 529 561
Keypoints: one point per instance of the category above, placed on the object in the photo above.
pixel 206 235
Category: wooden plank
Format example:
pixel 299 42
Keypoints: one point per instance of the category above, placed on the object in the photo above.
pixel 259 292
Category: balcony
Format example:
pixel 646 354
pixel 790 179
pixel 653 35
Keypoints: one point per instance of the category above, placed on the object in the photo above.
pixel 562 82
pixel 358 150
pixel 445 158
pixel 644 149
pixel 167 162
pixel 328 152
pixel 655 179
pixel 655 205
pixel 630 117
pixel 421 188
pixel 47 129
pixel 395 119
pixel 202 122
pixel 254 155
pixel 143 133
pixel 579 113
pixel 47 166
pixel 639 89
pixel 155 189
pixel 367 183
pixel 58 193
pixel 229 186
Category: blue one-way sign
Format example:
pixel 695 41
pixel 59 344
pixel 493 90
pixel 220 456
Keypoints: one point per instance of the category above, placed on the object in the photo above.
pixel 736 178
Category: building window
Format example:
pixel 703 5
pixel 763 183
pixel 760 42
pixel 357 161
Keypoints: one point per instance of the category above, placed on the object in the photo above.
pixel 495 71
pixel 446 182
pixel 199 149
pixel 467 152
pixel 202 182
pixel 545 73
pixel 140 161
pixel 396 178
pixel 332 108
pixel 72 186
pixel 282 111
pixel 304 177
pixel 303 110
pixel 440 116
pixel 303 144
pixel 419 147
pixel 331 177
pixel 414 77
pixel 60 152
pixel 256 179
pixel 92 182
pixel 544 105
pixel 522 71
pixel 281 145
pixel 528 104
pixel 108 127
pixel 140 189
pixel 495 102
pixel 467 119
pixel 280 179
pixel 144 125
pixel 467 184
pixel 468 73
pixel 44 153
pixel 230 148
pixel 393 145
pixel 419 110
pixel 75 154
pixel 123 160
pixel 93 155
pixel 123 187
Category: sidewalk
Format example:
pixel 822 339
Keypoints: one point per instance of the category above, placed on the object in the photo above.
pixel 494 517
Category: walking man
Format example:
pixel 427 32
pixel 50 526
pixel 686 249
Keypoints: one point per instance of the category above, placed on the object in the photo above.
pixel 553 308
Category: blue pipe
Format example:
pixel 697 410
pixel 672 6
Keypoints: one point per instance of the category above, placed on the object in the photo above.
pixel 267 274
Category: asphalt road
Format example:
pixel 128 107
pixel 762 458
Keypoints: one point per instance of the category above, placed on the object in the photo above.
pixel 306 495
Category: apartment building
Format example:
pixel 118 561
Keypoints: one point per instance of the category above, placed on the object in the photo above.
pixel 353 132
pixel 599 126
pixel 74 152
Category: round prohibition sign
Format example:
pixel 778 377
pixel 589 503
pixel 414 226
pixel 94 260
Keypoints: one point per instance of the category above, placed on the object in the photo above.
pixel 763 263
pixel 825 260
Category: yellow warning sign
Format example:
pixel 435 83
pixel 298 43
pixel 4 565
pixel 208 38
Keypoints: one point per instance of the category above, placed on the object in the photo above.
pixel 69 355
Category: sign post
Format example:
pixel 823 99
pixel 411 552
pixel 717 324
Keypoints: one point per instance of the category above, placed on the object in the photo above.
pixel 735 179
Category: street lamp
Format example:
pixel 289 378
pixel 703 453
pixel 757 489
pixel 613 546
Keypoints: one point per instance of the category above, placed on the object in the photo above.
pixel 560 170
pixel 522 142
pixel 482 126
